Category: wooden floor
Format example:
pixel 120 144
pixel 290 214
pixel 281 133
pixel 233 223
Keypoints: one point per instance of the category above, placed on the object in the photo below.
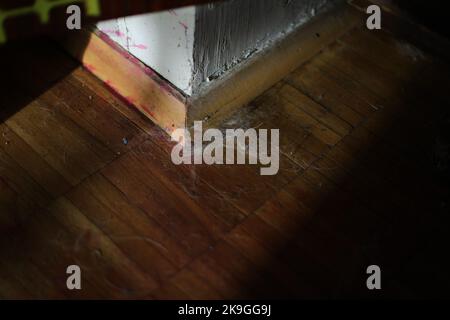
pixel 86 180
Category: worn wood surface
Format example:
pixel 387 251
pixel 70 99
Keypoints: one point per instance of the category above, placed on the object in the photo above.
pixel 87 180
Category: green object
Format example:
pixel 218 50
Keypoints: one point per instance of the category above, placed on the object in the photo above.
pixel 42 8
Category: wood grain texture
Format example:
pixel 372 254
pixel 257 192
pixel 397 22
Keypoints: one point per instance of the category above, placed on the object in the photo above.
pixel 86 179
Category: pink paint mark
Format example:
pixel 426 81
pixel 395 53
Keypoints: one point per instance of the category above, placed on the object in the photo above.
pixel 165 87
pixel 130 100
pixel 149 72
pixel 139 46
pixel 109 84
pixel 148 110
pixel 90 67
pixel 120 34
pixel 117 33
pixel 105 37
pixel 184 25
pixel 172 12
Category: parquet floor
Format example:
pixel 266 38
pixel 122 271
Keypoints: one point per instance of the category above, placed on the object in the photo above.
pixel 85 179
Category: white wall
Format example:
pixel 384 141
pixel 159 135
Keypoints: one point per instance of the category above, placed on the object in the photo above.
pixel 164 41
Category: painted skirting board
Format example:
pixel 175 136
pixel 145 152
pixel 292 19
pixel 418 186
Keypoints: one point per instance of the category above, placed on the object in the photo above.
pixel 162 102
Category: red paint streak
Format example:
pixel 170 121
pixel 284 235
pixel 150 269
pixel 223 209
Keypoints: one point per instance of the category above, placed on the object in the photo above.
pixel 184 25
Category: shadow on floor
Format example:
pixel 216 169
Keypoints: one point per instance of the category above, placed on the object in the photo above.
pixel 385 203
pixel 389 207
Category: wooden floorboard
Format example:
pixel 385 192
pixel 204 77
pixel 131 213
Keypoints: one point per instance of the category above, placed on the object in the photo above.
pixel 87 180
